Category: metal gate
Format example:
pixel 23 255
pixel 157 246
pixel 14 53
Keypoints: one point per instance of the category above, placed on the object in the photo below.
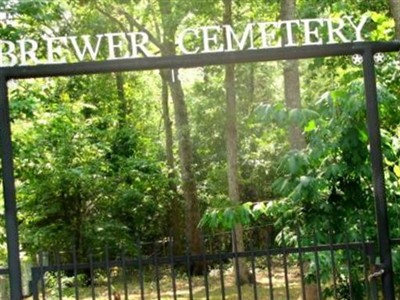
pixel 365 49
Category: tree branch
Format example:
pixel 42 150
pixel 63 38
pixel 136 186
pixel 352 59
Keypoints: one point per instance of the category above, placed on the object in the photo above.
pixel 141 28
pixel 119 23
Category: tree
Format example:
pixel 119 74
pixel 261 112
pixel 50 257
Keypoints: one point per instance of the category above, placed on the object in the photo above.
pixel 102 168
pixel 232 155
pixel 292 80
pixel 192 209
pixel 395 11
pixel 175 208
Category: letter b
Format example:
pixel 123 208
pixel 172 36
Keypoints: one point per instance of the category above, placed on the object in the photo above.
pixel 7 54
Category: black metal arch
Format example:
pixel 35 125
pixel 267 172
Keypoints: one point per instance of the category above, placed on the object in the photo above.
pixel 366 49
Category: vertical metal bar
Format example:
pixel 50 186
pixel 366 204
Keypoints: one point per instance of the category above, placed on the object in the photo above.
pixel 59 283
pixel 269 266
pixel 34 284
pixel 172 265
pixel 365 261
pixel 92 280
pixel 124 274
pixel 348 263
pixel 205 274
pixel 42 282
pixel 377 174
pixel 157 267
pixel 285 268
pixel 140 266
pixel 301 263
pixel 10 206
pixel 221 274
pixel 373 283
pixel 108 272
pixel 236 264
pixel 75 262
pixel 333 263
pixel 317 271
pixel 253 271
pixel 188 270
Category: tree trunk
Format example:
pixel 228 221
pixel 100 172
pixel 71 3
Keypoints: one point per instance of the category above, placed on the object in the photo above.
pixel 395 11
pixel 192 210
pixel 167 123
pixel 292 80
pixel 241 269
pixel 167 47
pixel 175 211
pixel 293 101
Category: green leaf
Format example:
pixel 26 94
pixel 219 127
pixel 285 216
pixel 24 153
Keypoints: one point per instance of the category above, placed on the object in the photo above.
pixel 311 125
pixel 396 170
pixel 305 180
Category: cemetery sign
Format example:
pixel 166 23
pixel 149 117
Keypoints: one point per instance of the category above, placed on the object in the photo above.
pixel 206 39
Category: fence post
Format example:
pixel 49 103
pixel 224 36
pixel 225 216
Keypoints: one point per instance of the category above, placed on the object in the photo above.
pixel 378 173
pixel 10 206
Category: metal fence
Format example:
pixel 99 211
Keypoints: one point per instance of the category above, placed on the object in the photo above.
pixel 300 267
pixel 324 268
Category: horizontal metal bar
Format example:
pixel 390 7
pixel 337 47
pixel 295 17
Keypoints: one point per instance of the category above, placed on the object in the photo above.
pixel 395 241
pixel 368 247
pixel 197 60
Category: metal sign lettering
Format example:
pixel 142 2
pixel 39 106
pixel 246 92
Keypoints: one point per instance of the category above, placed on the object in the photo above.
pixel 206 39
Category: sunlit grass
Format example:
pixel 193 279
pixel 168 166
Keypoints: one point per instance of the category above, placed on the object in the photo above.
pixel 196 286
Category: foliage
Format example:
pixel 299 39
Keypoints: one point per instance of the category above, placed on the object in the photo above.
pixel 82 179
pixel 90 164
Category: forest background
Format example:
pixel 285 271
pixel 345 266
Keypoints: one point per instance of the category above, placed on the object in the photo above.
pixel 125 157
